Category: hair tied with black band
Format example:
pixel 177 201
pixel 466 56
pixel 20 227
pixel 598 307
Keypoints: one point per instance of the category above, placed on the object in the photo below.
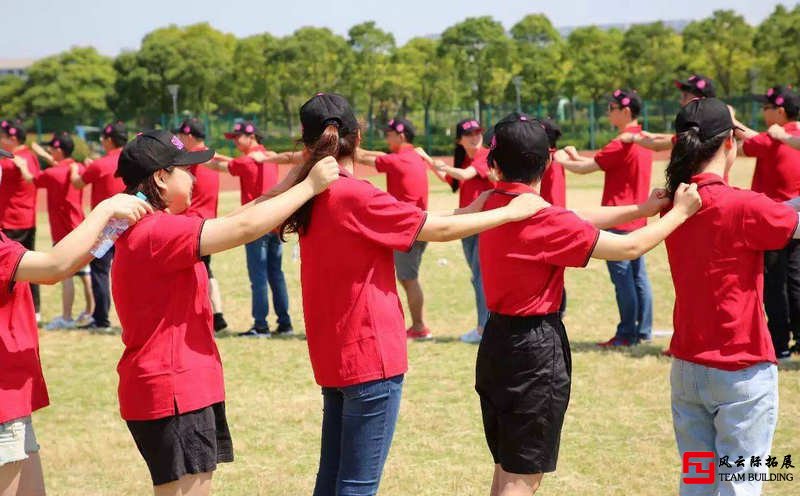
pixel 335 122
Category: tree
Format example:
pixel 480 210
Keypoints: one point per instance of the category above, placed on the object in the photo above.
pixel 777 40
pixel 540 50
pixel 372 48
pixel 721 46
pixel 595 64
pixel 10 89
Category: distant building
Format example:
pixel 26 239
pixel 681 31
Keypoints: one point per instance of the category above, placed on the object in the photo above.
pixel 15 67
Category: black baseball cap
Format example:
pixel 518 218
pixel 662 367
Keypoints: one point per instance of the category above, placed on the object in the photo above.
pixel 116 131
pixel 552 130
pixel 15 128
pixel 6 154
pixel 62 141
pixel 323 110
pixel 466 126
pixel 402 126
pixel 709 116
pixel 517 139
pixel 4 123
pixel 626 98
pixel 154 150
pixel 781 96
pixel 697 85
pixel 192 126
pixel 244 127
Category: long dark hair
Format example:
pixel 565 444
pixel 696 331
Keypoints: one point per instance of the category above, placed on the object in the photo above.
pixel 688 156
pixel 329 143
pixel 459 156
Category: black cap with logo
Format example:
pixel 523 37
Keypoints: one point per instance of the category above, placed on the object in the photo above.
pixel 781 96
pixel 697 85
pixel 244 127
pixel 517 139
pixel 402 126
pixel 16 129
pixel 626 98
pixel 62 141
pixel 709 117
pixel 193 126
pixel 323 110
pixel 154 150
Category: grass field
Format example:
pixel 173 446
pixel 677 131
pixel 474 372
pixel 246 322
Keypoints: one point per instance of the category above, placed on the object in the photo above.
pixel 617 439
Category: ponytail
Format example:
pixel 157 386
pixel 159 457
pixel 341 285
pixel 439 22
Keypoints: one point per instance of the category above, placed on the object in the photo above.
pixel 459 156
pixel 328 143
pixel 688 156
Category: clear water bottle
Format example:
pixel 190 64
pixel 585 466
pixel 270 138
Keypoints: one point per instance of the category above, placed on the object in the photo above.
pixel 111 232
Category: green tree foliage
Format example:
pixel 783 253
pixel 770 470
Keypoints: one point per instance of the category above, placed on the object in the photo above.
pixel 777 41
pixel 540 52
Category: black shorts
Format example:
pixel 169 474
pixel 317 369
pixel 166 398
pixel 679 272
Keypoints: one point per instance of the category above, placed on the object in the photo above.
pixel 25 237
pixel 187 443
pixel 523 376
pixel 207 262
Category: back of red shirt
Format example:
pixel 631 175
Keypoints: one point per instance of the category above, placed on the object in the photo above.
pixel 18 196
pixel 255 178
pixel 628 168
pixel 717 262
pixel 777 172
pixel 553 187
pixel 100 174
pixel 64 201
pixel 472 188
pixel 406 176
pixel 205 193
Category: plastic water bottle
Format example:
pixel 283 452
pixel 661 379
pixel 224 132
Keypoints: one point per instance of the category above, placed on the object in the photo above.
pixel 111 232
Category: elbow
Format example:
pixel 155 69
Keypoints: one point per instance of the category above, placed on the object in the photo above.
pixel 632 250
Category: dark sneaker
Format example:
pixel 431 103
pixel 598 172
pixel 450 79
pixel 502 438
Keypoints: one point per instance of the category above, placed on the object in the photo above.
pixel 219 322
pixel 284 330
pixel 783 356
pixel 254 332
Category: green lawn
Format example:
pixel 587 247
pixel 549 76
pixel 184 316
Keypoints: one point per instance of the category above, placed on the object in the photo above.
pixel 617 439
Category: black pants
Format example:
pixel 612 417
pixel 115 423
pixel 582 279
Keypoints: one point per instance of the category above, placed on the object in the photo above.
pixel 27 238
pixel 101 288
pixel 782 294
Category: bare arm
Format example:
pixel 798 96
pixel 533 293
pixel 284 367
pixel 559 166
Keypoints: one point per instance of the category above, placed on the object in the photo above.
pixel 573 162
pixel 288 158
pixel 75 176
pixel 22 166
pixel 72 252
pixel 464 174
pixel 777 132
pixel 607 217
pixel 217 165
pixel 38 150
pixel 653 141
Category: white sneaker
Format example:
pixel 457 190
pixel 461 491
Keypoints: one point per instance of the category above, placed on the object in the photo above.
pixel 83 319
pixel 472 337
pixel 60 323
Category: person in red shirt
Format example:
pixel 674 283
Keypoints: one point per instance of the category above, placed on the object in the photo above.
pixel 100 174
pixel 205 198
pixel 17 196
pixel 264 255
pixel 724 380
pixel 407 180
pixel 22 385
pixel 627 168
pixel 65 212
pixel 354 321
pixel 523 369
pixel 171 390
pixel 469 175
pixel 777 175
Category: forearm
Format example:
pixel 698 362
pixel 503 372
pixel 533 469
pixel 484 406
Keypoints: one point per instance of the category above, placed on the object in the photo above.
pixel 607 217
pixel 287 158
pixel 793 141
pixel 581 165
pixel 365 159
pixel 460 174
pixel 655 142
pixel 450 227
pixel 635 244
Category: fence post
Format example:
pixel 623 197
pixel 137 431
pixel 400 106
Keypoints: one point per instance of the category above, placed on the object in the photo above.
pixel 591 126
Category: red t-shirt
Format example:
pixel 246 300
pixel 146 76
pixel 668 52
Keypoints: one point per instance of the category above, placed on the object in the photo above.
pixel 628 167
pixel 406 176
pixel 522 263
pixel 717 263
pixel 553 187
pixel 354 321
pixel 205 193
pixel 64 201
pixel 777 173
pixel 472 188
pixel 18 196
pixel 160 289
pixel 255 178
pixel 22 387
pixel 100 174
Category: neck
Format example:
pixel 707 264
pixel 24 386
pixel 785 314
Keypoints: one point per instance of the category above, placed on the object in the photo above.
pixel 346 163
pixel 19 147
pixel 634 122
pixel 715 166
pixel 471 151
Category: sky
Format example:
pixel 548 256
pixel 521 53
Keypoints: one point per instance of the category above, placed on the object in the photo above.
pixel 35 28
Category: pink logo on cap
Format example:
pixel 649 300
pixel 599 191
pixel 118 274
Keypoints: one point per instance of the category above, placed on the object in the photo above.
pixel 109 129
pixel 626 101
pixel 779 100
pixel 319 94
pixel 523 118
pixel 249 129
pixel 701 84
pixel 186 130
pixel 139 134
pixel 391 122
pixel 237 127
pixel 770 91
pixel 693 77
pixel 4 124
pixel 175 141
pixel 56 143
pixel 617 93
pixel 12 131
pixel 400 128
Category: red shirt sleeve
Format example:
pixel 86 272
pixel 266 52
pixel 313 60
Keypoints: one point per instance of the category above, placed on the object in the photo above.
pixel 757 146
pixel 175 241
pixel 383 163
pixel 93 172
pixel 238 166
pixel 766 224
pixel 41 179
pixel 381 218
pixel 563 239
pixel 11 254
pixel 610 155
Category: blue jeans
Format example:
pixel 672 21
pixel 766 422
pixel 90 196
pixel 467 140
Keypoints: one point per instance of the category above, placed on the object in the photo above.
pixel 470 246
pixel 264 265
pixel 730 413
pixel 634 298
pixel 357 428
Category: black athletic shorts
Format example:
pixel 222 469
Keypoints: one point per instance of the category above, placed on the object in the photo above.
pixel 186 443
pixel 523 376
pixel 207 262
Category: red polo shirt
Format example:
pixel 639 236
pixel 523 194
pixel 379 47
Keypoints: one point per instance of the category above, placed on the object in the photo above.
pixel 553 187
pixel 406 176
pixel 170 363
pixel 18 196
pixel 472 188
pixel 777 173
pixel 354 321
pixel 205 193
pixel 255 178
pixel 64 201
pixel 628 167
pixel 522 263
pixel 100 174
pixel 717 263
pixel 22 387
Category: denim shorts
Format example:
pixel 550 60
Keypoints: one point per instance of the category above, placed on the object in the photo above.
pixel 17 440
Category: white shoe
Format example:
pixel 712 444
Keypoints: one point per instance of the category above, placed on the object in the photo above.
pixel 472 337
pixel 60 323
pixel 84 319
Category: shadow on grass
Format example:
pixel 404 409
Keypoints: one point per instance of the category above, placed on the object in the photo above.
pixel 227 334
pixel 638 351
